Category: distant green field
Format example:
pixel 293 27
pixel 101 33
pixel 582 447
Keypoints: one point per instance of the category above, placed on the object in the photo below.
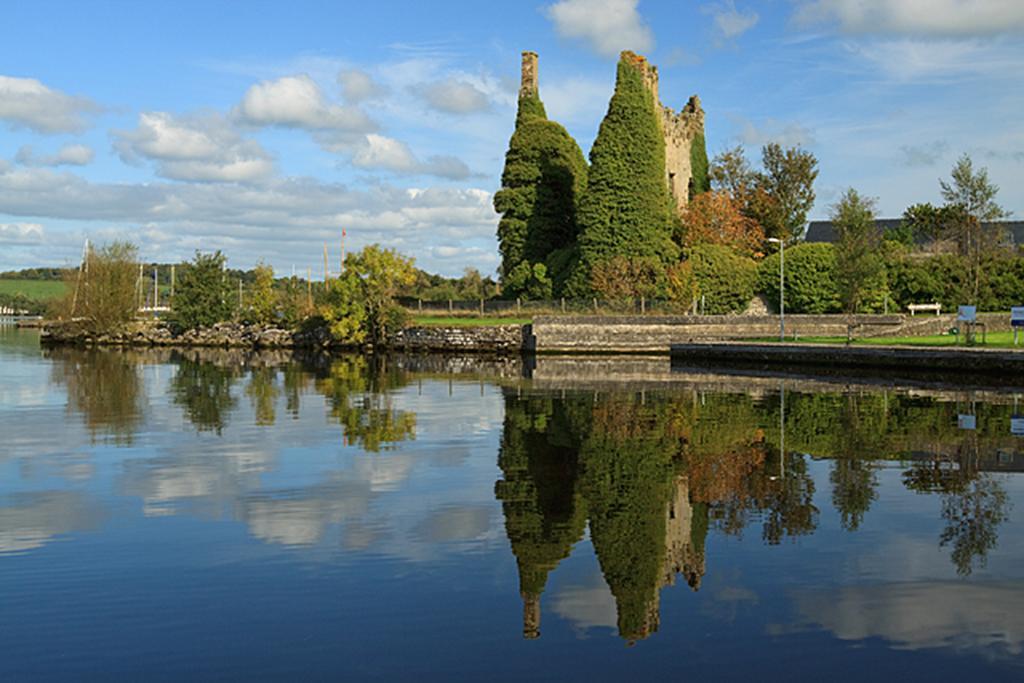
pixel 40 290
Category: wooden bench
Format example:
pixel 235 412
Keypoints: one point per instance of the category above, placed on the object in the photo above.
pixel 914 308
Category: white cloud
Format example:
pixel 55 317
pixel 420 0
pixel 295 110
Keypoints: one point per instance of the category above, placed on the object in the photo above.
pixel 910 59
pixel 915 17
pixel 357 85
pixel 281 220
pixel 923 155
pixel 204 148
pixel 298 102
pixel 384 153
pixel 453 96
pixel 729 22
pixel 21 233
pixel 25 102
pixel 68 155
pixel 785 133
pixel 608 26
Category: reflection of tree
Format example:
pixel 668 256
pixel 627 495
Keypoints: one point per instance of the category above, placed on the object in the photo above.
pixel 973 515
pixel 263 392
pixel 544 513
pixel 853 490
pixel 203 389
pixel 105 387
pixel 358 393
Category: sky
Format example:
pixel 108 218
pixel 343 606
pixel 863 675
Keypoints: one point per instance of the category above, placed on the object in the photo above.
pixel 265 128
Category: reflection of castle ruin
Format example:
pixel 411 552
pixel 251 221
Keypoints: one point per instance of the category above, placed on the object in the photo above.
pixel 555 479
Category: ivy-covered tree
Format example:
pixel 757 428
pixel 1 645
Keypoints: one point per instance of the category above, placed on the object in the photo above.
pixel 544 177
pixel 627 209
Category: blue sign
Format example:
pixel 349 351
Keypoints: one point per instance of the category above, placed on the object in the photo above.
pixel 968 314
pixel 1017 316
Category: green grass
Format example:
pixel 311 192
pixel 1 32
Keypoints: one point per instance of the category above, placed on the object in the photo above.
pixel 438 321
pixel 40 290
pixel 993 340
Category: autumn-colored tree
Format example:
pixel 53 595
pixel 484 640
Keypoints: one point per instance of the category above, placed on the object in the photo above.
pixel 716 218
pixel 625 277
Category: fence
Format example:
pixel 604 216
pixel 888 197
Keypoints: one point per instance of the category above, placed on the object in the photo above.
pixel 517 308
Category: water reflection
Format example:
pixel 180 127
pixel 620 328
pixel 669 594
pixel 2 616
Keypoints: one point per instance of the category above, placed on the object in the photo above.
pixel 320 455
pixel 652 474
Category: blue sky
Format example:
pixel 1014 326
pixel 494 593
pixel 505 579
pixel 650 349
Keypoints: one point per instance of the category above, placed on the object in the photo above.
pixel 264 128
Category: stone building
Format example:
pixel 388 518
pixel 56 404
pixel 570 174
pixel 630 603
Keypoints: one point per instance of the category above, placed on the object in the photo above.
pixel 681 129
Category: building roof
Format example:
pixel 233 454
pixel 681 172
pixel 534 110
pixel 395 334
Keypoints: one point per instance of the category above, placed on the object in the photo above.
pixel 824 231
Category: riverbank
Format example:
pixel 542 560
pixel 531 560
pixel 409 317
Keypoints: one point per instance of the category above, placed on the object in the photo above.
pixel 923 359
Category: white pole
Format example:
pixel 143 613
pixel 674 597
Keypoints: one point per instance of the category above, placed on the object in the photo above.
pixel 782 291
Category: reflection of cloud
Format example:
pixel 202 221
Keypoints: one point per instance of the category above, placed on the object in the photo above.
pixel 303 519
pixel 31 520
pixel 986 618
pixel 384 472
pixel 587 605
pixel 454 524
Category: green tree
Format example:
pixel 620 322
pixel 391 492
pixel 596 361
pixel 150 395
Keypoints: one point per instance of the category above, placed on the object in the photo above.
pixel 731 172
pixel 788 179
pixel 343 307
pixel 627 209
pixel 544 177
pixel 264 299
pixel 202 296
pixel 725 279
pixel 978 239
pixel 381 274
pixel 858 263
pixel 103 294
pixel 203 390
pixel 529 281
pixel 973 191
pixel 810 279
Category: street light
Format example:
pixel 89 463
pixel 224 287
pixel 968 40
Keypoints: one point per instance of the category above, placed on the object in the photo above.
pixel 782 285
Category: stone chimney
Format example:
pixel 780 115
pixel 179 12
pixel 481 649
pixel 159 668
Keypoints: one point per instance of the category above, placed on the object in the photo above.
pixel 530 79
pixel 531 608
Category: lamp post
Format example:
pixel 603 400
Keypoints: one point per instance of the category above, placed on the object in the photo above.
pixel 782 286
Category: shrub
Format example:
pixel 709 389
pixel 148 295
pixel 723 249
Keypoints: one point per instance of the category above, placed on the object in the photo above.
pixel 623 277
pixel 724 279
pixel 810 279
pixel 202 296
pixel 103 294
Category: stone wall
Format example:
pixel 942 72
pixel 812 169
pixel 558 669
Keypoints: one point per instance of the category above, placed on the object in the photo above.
pixel 651 334
pixel 496 339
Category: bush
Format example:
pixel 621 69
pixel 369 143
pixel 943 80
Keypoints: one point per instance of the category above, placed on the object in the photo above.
pixel 725 279
pixel 621 277
pixel 810 279
pixel 203 296
pixel 103 295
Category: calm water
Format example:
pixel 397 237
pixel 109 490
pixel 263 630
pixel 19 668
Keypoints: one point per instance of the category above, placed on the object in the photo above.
pixel 226 516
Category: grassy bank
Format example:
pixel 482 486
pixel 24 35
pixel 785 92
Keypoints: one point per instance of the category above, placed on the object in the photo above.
pixel 994 340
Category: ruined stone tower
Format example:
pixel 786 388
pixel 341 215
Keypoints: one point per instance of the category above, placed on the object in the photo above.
pixel 530 82
pixel 680 130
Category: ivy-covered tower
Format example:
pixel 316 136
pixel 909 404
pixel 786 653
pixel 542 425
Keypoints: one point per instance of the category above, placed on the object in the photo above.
pixel 544 178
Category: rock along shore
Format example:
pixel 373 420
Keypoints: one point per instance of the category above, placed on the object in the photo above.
pixel 502 339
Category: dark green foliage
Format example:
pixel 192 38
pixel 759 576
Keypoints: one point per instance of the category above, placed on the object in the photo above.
pixel 529 281
pixel 539 491
pixel 545 175
pixel 946 279
pixel 725 279
pixel 859 265
pixel 203 296
pixel 627 209
pixel 203 390
pixel 788 179
pixel 810 279
pixel 699 179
